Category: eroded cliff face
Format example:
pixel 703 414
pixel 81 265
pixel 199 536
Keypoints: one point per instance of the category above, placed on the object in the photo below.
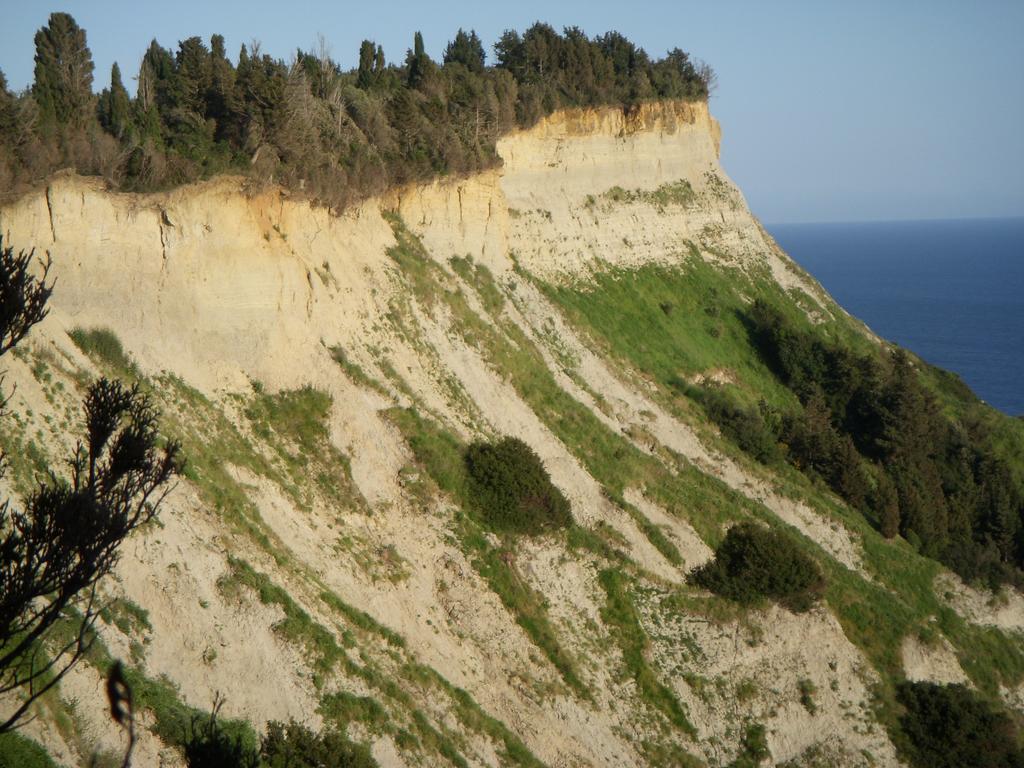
pixel 224 297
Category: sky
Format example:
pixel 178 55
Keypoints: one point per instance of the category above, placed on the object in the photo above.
pixel 831 111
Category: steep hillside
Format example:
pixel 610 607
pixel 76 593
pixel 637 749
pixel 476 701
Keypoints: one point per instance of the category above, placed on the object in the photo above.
pixel 323 560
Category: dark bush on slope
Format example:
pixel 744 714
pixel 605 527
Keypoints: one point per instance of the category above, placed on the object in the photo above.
pixel 295 746
pixel 754 563
pixel 949 726
pixel 511 489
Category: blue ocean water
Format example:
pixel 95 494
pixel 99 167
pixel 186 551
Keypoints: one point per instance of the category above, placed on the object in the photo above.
pixel 950 291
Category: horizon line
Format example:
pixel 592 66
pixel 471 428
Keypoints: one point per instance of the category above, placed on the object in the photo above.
pixel 892 221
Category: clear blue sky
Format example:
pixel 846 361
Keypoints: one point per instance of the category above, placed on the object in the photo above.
pixel 831 111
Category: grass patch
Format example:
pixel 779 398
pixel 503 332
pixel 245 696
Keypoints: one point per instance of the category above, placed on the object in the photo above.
pixel 17 751
pixel 296 626
pixel 342 708
pixel 354 371
pixel 299 415
pixel 102 345
pixel 362 620
pixel 673 193
pixel 620 615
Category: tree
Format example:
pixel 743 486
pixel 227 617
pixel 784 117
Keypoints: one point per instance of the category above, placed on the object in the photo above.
pixel 295 746
pixel 114 108
pixel 63 72
pixel 510 53
pixel 366 76
pixel 949 726
pixel 54 552
pixel 466 50
pixel 23 296
pixel 417 62
pixel 887 506
pixel 8 112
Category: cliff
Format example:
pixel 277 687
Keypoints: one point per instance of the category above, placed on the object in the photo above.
pixel 440 304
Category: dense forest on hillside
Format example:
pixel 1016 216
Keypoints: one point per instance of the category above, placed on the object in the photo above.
pixel 876 435
pixel 328 134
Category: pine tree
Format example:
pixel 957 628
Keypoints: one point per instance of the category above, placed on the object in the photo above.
pixel 114 109
pixel 221 104
pixel 466 50
pixel 418 63
pixel 887 506
pixel 63 73
pixel 366 77
pixel 8 113
pixel 510 53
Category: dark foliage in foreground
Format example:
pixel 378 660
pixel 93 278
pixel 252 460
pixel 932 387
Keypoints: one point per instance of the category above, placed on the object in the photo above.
pixel 55 550
pixel 295 746
pixel 754 563
pixel 323 132
pixel 949 726
pixel 284 746
pixel 512 490
pixel 23 295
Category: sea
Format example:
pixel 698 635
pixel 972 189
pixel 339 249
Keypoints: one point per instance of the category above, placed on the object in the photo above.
pixel 952 291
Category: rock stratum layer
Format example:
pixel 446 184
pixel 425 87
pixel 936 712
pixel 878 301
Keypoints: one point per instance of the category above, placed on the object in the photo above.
pixel 325 574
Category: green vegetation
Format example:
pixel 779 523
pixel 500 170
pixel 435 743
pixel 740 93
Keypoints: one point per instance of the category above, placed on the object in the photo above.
pixel 324 132
pixel 678 323
pixel 610 457
pixel 676 193
pixel 443 458
pixel 103 344
pixel 299 415
pixel 296 626
pixel 209 745
pixel 750 427
pixel 948 726
pixel 512 490
pixel 295 746
pixel 659 322
pixel 753 749
pixel 621 617
pixel 16 751
pixel 353 371
pixel 807 690
pixel 872 430
pixel 934 467
pixel 754 563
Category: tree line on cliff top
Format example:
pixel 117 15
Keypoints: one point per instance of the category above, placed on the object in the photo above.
pixel 323 132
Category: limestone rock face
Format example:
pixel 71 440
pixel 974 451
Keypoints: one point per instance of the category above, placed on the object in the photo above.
pixel 224 296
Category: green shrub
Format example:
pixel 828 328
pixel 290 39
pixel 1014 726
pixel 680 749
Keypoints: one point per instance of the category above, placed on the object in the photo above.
pixel 512 490
pixel 753 563
pixel 102 344
pixel 298 414
pixel 753 749
pixel 295 746
pixel 750 428
pixel 949 725
pixel 210 746
pixel 18 752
